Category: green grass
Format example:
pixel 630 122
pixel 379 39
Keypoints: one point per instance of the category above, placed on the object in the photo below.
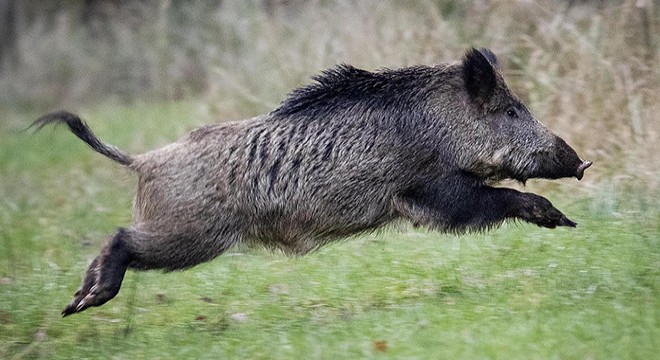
pixel 519 292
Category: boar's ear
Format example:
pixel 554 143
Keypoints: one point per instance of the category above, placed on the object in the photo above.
pixel 492 59
pixel 479 75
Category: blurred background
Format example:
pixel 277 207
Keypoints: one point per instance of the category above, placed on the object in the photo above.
pixel 143 73
pixel 587 68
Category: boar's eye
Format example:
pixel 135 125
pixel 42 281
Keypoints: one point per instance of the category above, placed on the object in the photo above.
pixel 512 113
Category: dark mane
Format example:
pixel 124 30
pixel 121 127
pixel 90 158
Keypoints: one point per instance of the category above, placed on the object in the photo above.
pixel 344 87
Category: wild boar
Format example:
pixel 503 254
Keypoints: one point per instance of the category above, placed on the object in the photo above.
pixel 351 152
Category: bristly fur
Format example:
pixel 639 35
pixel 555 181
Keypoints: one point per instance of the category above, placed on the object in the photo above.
pixel 345 86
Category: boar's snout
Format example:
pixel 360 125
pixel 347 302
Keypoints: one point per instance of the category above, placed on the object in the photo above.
pixel 580 170
pixel 562 162
pixel 571 164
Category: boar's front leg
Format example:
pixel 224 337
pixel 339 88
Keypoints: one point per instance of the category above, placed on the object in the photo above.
pixel 461 203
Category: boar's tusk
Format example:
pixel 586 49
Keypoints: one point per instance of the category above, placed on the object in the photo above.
pixel 580 170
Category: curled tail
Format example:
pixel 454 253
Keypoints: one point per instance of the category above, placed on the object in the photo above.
pixel 82 131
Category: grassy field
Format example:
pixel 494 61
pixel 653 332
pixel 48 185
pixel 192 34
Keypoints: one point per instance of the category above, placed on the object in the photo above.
pixel 519 292
pixel 155 70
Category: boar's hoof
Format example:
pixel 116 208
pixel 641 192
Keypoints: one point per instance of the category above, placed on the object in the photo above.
pixel 538 210
pixel 88 282
pixel 104 275
pixel 564 221
pixel 580 170
pixel 553 218
pixel 101 284
pixel 94 292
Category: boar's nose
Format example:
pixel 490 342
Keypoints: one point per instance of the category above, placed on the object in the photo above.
pixel 580 170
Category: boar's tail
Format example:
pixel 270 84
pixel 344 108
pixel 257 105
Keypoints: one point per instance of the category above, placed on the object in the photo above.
pixel 82 131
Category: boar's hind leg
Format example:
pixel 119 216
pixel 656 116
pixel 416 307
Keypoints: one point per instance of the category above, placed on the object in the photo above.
pixel 104 275
pixel 460 204
pixel 142 250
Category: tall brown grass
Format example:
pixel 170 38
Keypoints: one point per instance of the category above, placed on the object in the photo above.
pixel 588 69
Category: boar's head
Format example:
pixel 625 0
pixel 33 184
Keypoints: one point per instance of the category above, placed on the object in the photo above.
pixel 498 137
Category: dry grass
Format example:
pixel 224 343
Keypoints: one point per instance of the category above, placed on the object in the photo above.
pixel 589 71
